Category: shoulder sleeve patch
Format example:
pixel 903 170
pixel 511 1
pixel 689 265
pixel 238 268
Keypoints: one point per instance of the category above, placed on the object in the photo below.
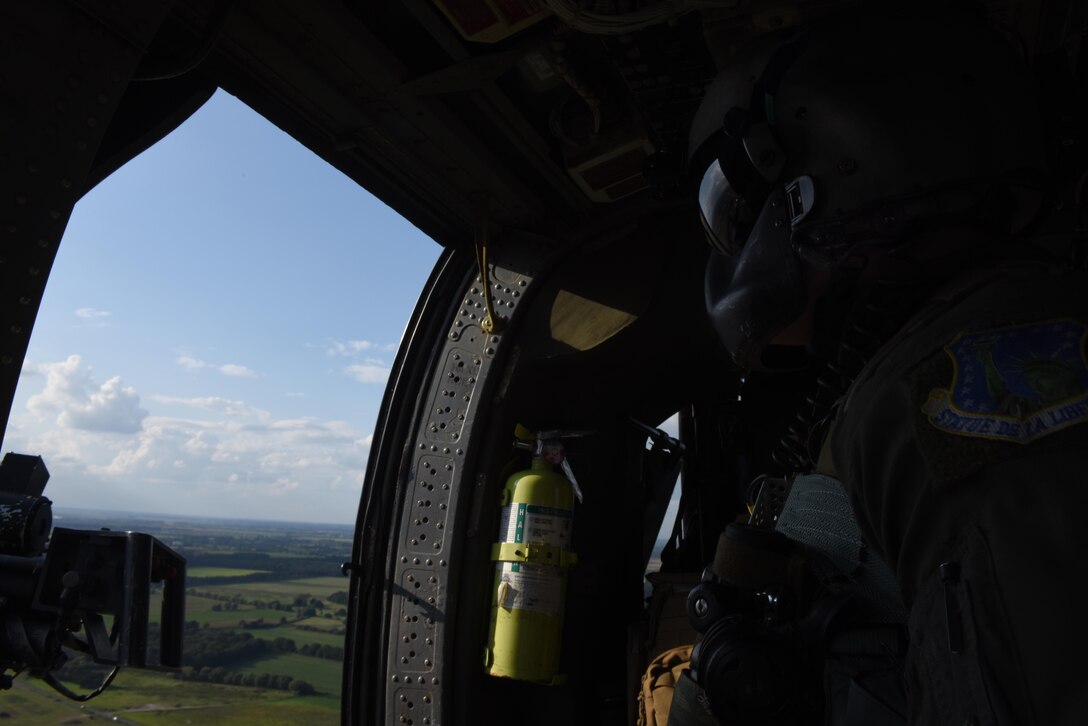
pixel 1015 384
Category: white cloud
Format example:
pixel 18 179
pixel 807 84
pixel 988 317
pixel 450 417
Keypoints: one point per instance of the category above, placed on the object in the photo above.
pixel 355 347
pixel 204 455
pixel 78 402
pixel 92 315
pixel 214 404
pixel 230 369
pixel 295 394
pixel 368 373
pixel 187 361
pixel 227 369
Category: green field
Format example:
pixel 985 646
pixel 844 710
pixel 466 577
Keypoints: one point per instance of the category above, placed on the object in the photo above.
pixel 323 674
pixel 149 698
pixel 221 572
pixel 200 609
pixel 322 623
pixel 319 587
pixel 301 637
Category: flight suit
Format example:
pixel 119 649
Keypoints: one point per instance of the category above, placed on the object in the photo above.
pixel 964 448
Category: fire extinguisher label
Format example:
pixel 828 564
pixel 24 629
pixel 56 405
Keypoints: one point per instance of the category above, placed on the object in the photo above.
pixel 529 587
pixel 534 524
pixel 547 525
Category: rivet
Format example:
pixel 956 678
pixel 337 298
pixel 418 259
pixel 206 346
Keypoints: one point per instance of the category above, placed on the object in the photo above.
pixel 103 99
pixel 415 560
pixel 6 360
pixel 24 300
pixel 396 679
pixel 427 662
pixel 81 145
pixel 92 122
pixel 423 446
pixel 434 448
pixel 31 167
pixel 42 243
pixel 16 330
pixel 32 271
pixel 460 451
pixel 420 680
pixel 434 681
pixel 403 698
pixel 66 183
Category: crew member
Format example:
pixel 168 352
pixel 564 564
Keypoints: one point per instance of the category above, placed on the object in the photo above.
pixel 877 193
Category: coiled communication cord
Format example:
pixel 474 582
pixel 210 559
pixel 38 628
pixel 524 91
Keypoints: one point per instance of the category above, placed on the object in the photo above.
pixel 874 321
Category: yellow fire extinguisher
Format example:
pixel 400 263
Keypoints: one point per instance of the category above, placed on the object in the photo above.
pixel 531 559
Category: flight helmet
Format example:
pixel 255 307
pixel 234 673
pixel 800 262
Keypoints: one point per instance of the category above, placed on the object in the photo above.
pixel 855 135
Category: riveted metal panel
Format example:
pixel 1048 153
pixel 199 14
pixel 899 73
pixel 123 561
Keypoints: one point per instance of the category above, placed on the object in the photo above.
pixel 440 482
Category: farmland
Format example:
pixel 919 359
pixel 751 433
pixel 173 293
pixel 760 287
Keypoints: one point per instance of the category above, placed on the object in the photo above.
pixel 265 618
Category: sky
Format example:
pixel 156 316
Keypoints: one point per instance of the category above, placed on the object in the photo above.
pixel 217 330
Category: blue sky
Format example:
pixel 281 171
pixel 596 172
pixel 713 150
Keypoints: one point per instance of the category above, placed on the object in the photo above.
pixel 217 330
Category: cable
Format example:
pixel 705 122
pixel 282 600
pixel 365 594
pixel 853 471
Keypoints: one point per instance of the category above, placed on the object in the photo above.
pixel 81 697
pixel 490 324
pixel 216 22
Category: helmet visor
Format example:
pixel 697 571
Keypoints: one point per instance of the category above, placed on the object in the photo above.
pixel 727 216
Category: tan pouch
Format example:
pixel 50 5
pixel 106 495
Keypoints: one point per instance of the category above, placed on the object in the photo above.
pixel 658 685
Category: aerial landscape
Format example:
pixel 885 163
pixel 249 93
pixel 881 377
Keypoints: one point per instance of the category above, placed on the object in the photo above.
pixel 264 633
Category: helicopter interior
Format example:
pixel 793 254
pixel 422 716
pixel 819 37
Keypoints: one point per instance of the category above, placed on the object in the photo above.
pixel 541 143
